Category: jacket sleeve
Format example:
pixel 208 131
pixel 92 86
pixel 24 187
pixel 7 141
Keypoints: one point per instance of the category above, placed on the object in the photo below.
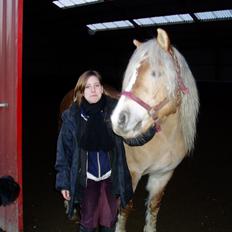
pixel 64 157
pixel 141 139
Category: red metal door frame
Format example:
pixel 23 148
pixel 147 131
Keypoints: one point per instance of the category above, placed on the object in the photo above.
pixel 11 19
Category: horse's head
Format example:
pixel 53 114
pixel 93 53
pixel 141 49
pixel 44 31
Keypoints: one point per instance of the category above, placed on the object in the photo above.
pixel 149 89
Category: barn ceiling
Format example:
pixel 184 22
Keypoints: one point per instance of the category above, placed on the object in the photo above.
pixel 57 43
pixel 45 12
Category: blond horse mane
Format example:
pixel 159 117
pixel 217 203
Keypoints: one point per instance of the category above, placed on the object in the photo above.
pixel 189 102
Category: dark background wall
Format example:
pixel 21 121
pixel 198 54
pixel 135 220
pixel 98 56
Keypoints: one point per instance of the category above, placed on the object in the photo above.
pixel 57 48
pixel 55 53
pixel 61 54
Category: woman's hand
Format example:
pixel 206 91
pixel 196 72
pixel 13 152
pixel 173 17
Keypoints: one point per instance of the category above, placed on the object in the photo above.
pixel 66 194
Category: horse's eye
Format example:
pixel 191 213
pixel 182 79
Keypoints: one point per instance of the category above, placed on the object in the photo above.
pixel 153 73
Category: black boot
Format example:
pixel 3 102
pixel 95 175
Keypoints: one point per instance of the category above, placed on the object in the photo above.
pixel 83 229
pixel 107 229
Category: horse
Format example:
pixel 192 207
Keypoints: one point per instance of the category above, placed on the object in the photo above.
pixel 158 90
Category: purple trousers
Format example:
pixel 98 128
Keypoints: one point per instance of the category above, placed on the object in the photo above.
pixel 98 206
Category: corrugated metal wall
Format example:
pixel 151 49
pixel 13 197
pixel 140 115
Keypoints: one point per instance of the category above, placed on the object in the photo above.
pixel 10 116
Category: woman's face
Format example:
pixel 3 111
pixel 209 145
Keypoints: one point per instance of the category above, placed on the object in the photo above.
pixel 93 90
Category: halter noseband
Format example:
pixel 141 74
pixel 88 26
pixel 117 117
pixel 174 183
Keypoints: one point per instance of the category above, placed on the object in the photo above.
pixel 152 111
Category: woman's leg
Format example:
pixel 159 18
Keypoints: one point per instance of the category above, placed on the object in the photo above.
pixel 89 209
pixel 84 229
pixel 108 207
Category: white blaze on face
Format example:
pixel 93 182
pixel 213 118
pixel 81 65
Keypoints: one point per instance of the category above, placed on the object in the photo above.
pixel 121 103
pixel 136 111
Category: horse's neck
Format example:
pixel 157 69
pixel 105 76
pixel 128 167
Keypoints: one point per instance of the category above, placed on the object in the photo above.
pixel 171 131
pixel 164 151
pixel 168 141
pixel 170 124
pixel 168 109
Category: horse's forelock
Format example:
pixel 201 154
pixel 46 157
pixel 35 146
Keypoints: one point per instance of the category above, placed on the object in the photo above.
pixel 163 64
pixel 134 63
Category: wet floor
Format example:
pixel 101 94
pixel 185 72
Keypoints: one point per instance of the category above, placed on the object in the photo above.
pixel 197 199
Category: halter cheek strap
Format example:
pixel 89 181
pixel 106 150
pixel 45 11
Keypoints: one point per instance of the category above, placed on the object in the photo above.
pixel 136 99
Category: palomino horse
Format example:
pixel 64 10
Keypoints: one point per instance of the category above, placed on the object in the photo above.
pixel 158 90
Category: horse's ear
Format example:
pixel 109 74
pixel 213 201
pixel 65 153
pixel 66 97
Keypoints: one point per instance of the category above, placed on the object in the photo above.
pixel 163 39
pixel 136 43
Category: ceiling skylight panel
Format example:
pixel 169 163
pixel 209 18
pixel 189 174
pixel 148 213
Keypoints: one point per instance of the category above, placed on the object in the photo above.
pixel 214 15
pixel 123 24
pixel 186 17
pixel 205 15
pixel 67 3
pixel 223 14
pixel 144 21
pixel 159 20
pixel 74 3
pixel 58 4
pixel 78 2
pixel 110 25
pixel 92 27
pixel 228 13
pixel 173 18
pixel 164 20
pixel 182 18
pixel 99 26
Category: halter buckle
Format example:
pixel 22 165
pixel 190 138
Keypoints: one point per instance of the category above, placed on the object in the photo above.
pixel 152 113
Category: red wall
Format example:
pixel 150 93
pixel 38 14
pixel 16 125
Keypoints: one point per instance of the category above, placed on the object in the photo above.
pixel 11 217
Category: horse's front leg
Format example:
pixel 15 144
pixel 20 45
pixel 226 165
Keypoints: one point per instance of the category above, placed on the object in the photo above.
pixel 122 218
pixel 124 213
pixel 155 187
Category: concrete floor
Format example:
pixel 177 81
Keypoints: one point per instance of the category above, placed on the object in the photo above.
pixel 197 199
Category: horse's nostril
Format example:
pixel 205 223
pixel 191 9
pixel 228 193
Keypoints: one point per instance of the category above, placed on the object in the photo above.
pixel 123 118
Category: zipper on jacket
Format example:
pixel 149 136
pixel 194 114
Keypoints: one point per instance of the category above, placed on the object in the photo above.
pixel 87 164
pixel 98 164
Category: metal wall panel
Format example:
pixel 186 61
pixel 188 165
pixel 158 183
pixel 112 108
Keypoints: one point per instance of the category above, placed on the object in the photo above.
pixel 11 105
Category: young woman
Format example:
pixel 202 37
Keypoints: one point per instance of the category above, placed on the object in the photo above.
pixel 91 164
